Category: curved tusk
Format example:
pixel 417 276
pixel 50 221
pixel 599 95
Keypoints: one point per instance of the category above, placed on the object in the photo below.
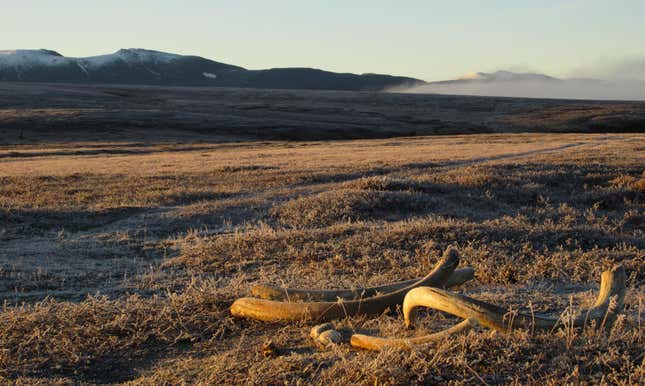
pixel 609 302
pixel 265 291
pixel 272 311
pixel 368 342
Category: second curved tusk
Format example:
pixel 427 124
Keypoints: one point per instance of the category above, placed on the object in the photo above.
pixel 608 303
pixel 368 342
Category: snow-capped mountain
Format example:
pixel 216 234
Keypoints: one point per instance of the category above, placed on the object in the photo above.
pixel 123 66
pixel 140 66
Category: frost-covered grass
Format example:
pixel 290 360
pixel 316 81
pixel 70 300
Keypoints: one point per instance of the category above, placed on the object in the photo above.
pixel 120 265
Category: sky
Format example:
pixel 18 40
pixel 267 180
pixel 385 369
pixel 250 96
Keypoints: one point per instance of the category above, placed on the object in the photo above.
pixel 430 40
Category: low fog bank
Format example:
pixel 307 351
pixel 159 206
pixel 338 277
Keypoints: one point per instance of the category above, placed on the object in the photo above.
pixel 557 89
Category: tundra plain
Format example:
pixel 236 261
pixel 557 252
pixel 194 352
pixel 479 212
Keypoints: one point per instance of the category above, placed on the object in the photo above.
pixel 120 257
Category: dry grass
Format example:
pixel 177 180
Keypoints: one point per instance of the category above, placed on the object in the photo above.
pixel 77 338
pixel 121 267
pixel 345 205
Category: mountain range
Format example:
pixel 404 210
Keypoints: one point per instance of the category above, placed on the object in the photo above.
pixel 147 67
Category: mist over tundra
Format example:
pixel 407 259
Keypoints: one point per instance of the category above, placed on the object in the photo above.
pixel 623 80
pixel 559 89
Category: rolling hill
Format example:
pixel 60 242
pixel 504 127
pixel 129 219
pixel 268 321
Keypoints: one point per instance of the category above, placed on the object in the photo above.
pixel 147 67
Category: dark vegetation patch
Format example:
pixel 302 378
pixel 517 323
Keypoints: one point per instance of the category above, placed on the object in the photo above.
pixel 78 112
pixel 345 205
pixel 243 168
pixel 390 184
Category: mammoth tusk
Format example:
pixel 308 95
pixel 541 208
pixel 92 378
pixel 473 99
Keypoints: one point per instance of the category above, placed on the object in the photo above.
pixel 272 311
pixel 609 302
pixel 368 342
pixel 264 291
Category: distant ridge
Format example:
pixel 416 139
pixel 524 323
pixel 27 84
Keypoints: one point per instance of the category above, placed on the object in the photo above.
pixel 498 76
pixel 148 67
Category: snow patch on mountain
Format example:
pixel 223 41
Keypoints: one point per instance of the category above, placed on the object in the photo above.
pixel 82 67
pixel 134 56
pixel 503 76
pixel 28 58
pixel 472 76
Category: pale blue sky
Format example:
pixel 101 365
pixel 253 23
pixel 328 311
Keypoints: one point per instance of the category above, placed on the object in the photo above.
pixel 432 40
